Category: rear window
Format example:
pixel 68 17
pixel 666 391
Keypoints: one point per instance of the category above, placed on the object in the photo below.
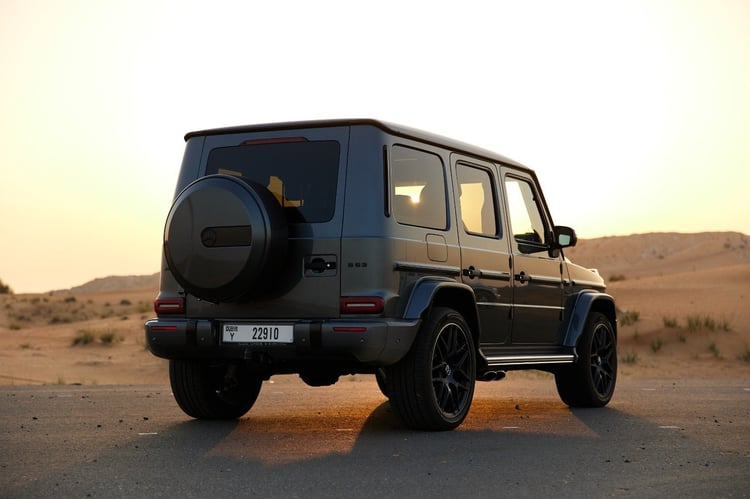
pixel 301 175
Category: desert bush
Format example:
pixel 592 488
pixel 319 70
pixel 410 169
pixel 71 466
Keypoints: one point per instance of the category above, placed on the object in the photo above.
pixel 745 356
pixel 125 302
pixel 83 337
pixel 70 299
pixel 656 344
pixel 109 337
pixel 5 289
pixel 629 317
pixel 616 277
pixel 669 322
pixel 697 322
pixel 630 358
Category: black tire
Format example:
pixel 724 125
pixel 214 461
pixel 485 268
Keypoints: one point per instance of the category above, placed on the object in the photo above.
pixel 433 386
pixel 213 390
pixel 225 239
pixel 590 382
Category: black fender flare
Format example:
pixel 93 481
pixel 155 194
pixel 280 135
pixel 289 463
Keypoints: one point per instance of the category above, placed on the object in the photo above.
pixel 423 292
pixel 580 307
pixel 442 291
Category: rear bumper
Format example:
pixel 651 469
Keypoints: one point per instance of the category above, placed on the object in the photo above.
pixel 378 342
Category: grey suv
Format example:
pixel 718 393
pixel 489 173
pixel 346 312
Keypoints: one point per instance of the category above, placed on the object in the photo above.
pixel 328 248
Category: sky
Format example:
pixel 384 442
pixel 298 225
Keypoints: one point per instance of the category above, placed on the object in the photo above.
pixel 635 114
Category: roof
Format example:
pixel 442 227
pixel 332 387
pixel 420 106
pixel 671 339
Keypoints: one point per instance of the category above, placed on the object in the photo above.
pixel 392 128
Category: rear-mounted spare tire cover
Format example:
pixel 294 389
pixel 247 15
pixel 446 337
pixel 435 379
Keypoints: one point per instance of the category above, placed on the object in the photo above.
pixel 225 238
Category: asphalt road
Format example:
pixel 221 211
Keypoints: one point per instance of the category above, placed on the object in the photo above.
pixel 657 438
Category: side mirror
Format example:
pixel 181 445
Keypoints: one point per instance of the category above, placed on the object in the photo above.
pixel 565 237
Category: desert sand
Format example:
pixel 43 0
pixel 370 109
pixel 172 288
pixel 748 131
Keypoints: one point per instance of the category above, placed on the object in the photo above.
pixel 684 302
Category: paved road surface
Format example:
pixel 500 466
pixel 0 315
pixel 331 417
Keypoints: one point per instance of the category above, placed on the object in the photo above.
pixel 656 439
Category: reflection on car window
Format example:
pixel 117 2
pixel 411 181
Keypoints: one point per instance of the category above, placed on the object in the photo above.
pixel 301 175
pixel 418 188
pixel 477 200
pixel 525 218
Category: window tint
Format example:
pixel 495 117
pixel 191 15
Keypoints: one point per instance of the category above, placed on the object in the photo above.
pixel 525 218
pixel 477 200
pixel 418 188
pixel 301 175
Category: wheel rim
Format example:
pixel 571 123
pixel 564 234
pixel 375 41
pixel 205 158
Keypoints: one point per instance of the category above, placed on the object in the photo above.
pixel 452 370
pixel 603 360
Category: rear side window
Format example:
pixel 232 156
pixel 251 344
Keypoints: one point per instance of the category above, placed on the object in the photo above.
pixel 477 200
pixel 418 188
pixel 301 175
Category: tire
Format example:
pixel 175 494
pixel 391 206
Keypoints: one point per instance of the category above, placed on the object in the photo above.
pixel 213 391
pixel 225 239
pixel 433 386
pixel 590 382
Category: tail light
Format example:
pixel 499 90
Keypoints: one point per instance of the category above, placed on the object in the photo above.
pixel 169 305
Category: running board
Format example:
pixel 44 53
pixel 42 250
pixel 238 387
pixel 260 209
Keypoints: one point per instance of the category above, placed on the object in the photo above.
pixel 528 360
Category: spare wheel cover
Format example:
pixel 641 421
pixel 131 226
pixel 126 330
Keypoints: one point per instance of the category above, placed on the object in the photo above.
pixel 223 237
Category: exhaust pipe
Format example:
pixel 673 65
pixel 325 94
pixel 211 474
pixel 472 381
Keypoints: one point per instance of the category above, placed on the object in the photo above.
pixel 492 376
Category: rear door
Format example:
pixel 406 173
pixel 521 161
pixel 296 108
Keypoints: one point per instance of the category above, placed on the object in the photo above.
pixel 304 169
pixel 485 253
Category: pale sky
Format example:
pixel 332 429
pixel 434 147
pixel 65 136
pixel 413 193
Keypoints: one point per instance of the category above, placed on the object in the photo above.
pixel 635 114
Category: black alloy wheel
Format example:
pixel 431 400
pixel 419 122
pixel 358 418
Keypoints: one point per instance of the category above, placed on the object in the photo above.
pixel 590 382
pixel 433 386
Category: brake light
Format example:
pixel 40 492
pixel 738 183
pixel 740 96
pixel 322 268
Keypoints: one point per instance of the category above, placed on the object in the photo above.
pixel 169 305
pixel 361 305
pixel 279 140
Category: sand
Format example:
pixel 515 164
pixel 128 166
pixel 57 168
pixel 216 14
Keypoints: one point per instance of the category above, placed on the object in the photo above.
pixel 684 302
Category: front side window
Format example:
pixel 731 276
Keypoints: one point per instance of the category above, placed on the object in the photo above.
pixel 302 174
pixel 526 220
pixel 418 188
pixel 477 200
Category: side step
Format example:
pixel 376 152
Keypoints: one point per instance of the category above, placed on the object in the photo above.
pixel 529 360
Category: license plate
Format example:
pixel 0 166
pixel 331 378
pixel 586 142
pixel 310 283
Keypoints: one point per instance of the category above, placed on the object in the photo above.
pixel 257 333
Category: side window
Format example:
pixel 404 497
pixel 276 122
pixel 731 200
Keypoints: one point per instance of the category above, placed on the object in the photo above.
pixel 418 188
pixel 477 200
pixel 526 220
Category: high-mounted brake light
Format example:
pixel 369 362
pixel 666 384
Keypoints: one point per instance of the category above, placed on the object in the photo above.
pixel 278 140
pixel 169 305
pixel 361 305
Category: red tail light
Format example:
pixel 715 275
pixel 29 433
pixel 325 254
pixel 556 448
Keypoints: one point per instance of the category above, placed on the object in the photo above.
pixel 164 329
pixel 361 305
pixel 169 305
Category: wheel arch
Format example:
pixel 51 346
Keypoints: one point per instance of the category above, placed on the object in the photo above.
pixel 582 305
pixel 442 292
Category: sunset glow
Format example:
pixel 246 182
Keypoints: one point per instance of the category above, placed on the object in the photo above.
pixel 634 114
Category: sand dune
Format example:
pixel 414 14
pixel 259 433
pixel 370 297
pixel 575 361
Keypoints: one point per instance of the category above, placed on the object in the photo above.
pixel 684 302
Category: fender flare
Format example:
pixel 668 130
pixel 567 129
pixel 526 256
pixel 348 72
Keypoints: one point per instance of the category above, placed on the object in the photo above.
pixel 424 291
pixel 583 303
